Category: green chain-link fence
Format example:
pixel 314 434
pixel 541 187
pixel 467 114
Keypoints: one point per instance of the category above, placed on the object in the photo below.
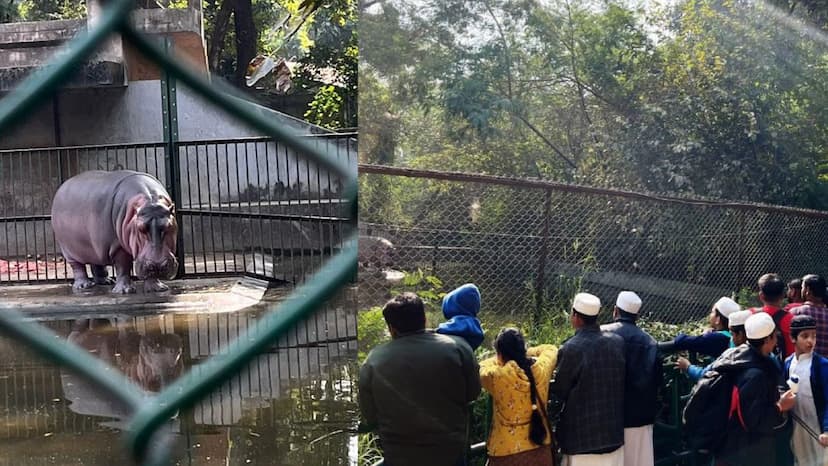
pixel 149 445
pixel 531 245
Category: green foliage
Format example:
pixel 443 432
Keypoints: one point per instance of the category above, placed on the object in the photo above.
pixel 428 287
pixel 369 449
pixel 704 97
pixel 371 329
pixel 9 11
pixel 42 10
pixel 747 298
pixel 663 332
pixel 325 107
pixel 320 37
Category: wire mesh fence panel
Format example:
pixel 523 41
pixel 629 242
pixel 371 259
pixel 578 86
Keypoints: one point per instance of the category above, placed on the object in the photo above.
pixel 531 245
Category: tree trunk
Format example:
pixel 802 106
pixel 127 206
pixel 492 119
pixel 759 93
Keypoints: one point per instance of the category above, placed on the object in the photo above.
pixel 246 38
pixel 216 43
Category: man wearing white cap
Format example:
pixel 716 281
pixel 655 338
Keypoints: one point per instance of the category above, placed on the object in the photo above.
pixel 589 380
pixel 756 409
pixel 642 380
pixel 711 343
pixel 737 335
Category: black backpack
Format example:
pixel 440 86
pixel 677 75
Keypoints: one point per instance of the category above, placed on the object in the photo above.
pixel 713 401
pixel 780 337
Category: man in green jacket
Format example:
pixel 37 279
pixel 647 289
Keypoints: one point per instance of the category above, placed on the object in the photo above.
pixel 415 389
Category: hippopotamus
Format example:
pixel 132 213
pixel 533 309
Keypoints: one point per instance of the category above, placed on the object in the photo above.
pixel 116 218
pixel 375 250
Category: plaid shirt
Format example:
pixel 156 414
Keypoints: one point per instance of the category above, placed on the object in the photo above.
pixel 589 380
pixel 820 314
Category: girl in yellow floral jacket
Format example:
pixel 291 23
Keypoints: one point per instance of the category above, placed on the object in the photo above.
pixel 518 381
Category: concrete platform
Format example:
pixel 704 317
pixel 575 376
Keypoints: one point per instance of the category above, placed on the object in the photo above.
pixel 209 295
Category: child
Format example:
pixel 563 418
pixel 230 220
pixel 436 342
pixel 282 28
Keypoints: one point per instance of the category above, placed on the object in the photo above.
pixel 711 343
pixel 460 307
pixel 737 337
pixel 811 394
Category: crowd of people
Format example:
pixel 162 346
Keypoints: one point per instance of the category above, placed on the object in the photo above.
pixel 595 398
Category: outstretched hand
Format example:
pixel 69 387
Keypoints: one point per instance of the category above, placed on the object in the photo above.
pixel 682 364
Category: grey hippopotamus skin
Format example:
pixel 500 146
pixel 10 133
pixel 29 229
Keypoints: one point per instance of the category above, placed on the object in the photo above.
pixel 116 218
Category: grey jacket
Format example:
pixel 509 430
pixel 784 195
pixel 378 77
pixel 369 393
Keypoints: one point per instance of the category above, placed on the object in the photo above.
pixel 589 380
pixel 644 372
pixel 415 391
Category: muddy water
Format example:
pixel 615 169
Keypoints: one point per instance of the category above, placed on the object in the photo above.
pixel 293 405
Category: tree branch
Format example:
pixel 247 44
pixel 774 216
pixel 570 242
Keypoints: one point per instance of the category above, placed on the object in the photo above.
pixel 215 46
pixel 547 141
pixel 506 53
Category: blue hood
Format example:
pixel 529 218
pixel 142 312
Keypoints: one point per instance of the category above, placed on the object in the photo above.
pixel 466 327
pixel 460 307
pixel 463 301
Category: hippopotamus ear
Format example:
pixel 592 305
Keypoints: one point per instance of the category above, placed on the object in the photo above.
pixel 132 238
pixel 169 203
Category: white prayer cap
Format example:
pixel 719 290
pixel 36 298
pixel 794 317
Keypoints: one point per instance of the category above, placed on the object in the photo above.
pixel 628 302
pixel 759 326
pixel 739 318
pixel 586 304
pixel 727 306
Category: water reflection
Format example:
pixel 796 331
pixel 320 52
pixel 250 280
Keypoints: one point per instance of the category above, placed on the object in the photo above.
pixel 294 404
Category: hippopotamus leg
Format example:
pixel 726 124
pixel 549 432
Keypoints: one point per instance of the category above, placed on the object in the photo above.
pixel 101 276
pixel 82 281
pixel 123 267
pixel 153 284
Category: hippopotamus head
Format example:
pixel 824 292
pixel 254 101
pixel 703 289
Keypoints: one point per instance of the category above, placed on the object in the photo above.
pixel 159 360
pixel 149 234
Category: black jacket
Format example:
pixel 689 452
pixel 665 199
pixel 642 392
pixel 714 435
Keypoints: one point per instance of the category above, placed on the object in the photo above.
pixel 755 376
pixel 589 380
pixel 643 372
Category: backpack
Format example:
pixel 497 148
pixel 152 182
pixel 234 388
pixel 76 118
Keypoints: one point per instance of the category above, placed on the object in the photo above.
pixel 713 401
pixel 780 337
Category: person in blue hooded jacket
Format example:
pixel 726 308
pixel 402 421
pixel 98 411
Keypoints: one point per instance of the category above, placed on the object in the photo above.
pixel 460 307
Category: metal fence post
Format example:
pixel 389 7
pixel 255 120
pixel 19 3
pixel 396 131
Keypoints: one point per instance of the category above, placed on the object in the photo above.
pixel 540 282
pixel 169 110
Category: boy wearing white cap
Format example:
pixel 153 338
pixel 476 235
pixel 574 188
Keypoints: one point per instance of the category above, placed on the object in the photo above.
pixel 711 343
pixel 642 380
pixel 756 407
pixel 589 380
pixel 807 374
pixel 737 336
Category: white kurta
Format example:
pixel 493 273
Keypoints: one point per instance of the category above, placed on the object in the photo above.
pixel 807 451
pixel 638 446
pixel 615 458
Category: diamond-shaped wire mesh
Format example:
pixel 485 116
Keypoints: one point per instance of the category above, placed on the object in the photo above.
pixel 530 245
